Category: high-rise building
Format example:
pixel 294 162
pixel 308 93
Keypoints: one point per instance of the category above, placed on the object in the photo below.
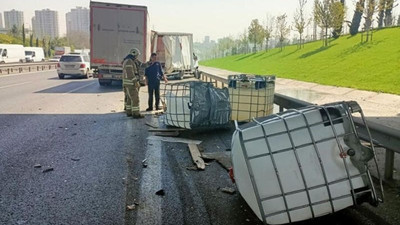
pixel 12 18
pixel 1 21
pixel 45 23
pixel 207 39
pixel 78 20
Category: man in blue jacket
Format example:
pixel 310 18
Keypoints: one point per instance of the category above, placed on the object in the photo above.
pixel 154 75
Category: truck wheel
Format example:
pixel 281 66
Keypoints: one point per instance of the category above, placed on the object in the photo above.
pixel 61 76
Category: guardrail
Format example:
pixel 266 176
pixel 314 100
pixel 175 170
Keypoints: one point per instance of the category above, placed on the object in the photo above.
pixel 383 136
pixel 26 67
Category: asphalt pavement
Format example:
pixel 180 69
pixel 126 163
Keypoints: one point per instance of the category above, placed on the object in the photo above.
pixel 69 155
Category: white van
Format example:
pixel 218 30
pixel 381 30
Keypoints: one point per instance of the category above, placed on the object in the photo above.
pixel 11 53
pixel 34 54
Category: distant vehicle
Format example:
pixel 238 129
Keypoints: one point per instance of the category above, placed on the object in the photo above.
pixel 84 51
pixel 175 52
pixel 55 58
pixel 12 53
pixel 34 54
pixel 115 29
pixel 75 65
pixel 59 51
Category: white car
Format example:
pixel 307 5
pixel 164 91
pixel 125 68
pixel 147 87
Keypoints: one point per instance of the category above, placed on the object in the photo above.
pixel 75 65
pixel 55 59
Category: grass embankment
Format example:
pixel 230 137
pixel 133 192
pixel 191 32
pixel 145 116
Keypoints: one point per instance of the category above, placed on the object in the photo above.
pixel 372 66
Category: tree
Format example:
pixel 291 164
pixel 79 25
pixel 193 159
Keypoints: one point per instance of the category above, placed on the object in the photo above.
pixel 256 33
pixel 78 39
pixel 398 21
pixel 282 29
pixel 44 47
pixel 300 22
pixel 23 34
pixel 268 30
pixel 338 13
pixel 358 12
pixel 14 31
pixel 244 42
pixel 369 13
pixel 49 49
pixel 31 40
pixel 388 13
pixel 323 16
pixel 381 12
pixel 37 42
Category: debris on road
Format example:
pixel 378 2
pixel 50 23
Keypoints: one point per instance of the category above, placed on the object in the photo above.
pixel 228 190
pixel 223 158
pixel 174 140
pixel 73 134
pixel 75 159
pixel 196 156
pixel 168 134
pixel 48 169
pixel 165 129
pixel 144 164
pixel 131 207
pixel 191 168
pixel 160 192
pixel 151 125
pixel 37 166
pixel 113 111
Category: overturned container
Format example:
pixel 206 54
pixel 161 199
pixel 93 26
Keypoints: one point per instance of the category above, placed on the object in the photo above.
pixel 251 96
pixel 304 163
pixel 196 104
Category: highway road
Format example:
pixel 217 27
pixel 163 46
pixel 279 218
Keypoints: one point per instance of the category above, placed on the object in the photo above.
pixel 69 155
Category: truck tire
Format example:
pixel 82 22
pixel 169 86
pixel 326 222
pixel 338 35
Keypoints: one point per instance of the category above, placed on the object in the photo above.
pixel 61 76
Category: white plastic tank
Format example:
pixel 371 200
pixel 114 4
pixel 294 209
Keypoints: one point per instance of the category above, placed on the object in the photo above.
pixel 296 165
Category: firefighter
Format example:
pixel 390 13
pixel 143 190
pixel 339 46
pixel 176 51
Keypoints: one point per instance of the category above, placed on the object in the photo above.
pixel 131 77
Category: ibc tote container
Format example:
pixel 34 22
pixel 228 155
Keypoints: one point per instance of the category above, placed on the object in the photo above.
pixel 196 104
pixel 251 96
pixel 302 164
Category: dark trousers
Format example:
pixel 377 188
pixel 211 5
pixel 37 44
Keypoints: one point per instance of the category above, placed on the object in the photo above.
pixel 156 91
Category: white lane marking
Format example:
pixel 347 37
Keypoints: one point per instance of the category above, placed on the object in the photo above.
pixel 12 85
pixel 17 74
pixel 149 210
pixel 174 139
pixel 76 89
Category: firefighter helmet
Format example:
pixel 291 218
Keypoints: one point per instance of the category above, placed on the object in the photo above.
pixel 134 52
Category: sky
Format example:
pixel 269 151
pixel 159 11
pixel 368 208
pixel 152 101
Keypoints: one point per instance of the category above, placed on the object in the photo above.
pixel 214 18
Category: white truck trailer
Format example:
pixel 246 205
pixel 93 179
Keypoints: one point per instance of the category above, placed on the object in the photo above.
pixel 114 30
pixel 175 53
pixel 12 53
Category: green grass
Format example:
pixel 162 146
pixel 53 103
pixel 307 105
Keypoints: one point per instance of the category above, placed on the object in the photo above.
pixel 372 66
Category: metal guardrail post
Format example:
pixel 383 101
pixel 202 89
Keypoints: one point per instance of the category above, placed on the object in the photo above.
pixel 389 164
